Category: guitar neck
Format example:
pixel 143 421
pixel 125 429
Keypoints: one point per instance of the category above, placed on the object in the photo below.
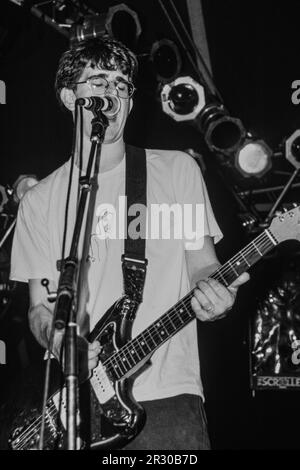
pixel 245 258
pixel 182 313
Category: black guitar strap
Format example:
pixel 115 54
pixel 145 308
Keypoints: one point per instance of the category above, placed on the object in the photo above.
pixel 134 263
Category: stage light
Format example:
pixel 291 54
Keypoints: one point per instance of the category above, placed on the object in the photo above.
pixel 166 60
pixel 292 149
pixel 22 185
pixel 123 24
pixel 253 158
pixel 119 22
pixel 92 27
pixel 223 133
pixel 182 99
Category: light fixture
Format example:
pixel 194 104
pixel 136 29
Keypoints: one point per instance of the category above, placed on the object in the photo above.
pixel 292 149
pixel 182 99
pixel 119 22
pixel 223 133
pixel 92 27
pixel 123 24
pixel 166 60
pixel 253 158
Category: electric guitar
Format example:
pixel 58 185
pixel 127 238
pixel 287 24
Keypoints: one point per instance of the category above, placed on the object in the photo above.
pixel 114 417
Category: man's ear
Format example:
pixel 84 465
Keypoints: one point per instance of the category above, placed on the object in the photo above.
pixel 130 104
pixel 68 98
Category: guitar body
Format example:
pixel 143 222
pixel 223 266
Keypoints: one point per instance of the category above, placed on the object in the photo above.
pixel 108 419
pixel 120 418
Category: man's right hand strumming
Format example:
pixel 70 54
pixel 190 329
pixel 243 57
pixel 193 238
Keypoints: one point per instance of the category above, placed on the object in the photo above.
pixel 40 320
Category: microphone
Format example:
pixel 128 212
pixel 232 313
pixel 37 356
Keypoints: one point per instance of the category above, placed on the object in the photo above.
pixel 110 105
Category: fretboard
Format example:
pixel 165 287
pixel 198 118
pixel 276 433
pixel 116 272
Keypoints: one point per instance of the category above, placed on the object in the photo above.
pixel 178 316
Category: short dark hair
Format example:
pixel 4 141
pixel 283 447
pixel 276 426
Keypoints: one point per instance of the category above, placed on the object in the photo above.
pixel 103 51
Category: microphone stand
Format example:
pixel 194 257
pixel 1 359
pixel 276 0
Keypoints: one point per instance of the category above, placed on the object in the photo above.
pixel 66 303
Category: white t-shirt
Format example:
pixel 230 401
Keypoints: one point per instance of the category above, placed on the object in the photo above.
pixel 172 177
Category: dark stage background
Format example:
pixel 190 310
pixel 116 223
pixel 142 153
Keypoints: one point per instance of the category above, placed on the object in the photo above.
pixel 254 48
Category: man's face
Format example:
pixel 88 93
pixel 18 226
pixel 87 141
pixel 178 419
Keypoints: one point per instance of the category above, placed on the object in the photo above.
pixel 116 125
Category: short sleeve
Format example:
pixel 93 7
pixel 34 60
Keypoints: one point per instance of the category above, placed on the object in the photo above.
pixel 30 249
pixel 191 192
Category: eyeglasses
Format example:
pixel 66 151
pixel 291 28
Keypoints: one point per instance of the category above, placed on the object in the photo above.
pixel 100 85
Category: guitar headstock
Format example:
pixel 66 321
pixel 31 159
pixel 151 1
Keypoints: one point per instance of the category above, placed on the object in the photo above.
pixel 286 226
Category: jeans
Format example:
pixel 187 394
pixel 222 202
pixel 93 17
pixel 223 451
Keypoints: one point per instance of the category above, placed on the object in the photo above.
pixel 175 423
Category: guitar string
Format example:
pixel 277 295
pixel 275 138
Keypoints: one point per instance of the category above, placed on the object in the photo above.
pixel 154 325
pixel 31 430
pixel 34 426
pixel 153 335
pixel 173 311
pixel 227 267
pixel 187 297
pixel 246 250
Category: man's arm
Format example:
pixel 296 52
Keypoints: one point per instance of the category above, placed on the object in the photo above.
pixel 211 299
pixel 40 321
pixel 202 263
pixel 40 316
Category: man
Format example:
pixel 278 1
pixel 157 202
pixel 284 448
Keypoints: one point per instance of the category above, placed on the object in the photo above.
pixel 170 389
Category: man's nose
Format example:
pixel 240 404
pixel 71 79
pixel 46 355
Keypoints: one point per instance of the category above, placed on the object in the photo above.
pixel 112 89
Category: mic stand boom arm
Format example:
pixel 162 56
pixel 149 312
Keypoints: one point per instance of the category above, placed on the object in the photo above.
pixel 65 307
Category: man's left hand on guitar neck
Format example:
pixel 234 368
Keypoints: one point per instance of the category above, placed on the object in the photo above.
pixel 212 300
